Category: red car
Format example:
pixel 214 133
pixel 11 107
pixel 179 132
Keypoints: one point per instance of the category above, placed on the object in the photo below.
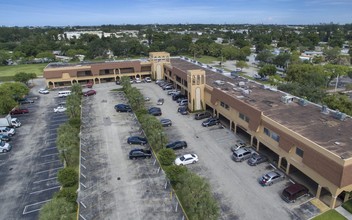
pixel 17 111
pixel 90 92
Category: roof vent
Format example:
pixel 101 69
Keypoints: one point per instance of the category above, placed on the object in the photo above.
pixel 241 83
pixel 302 102
pixel 219 82
pixel 246 92
pixel 339 115
pixel 286 99
pixel 324 110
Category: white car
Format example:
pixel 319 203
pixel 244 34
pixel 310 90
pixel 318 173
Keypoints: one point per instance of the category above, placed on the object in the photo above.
pixel 138 80
pixel 148 79
pixel 43 91
pixel 60 109
pixel 186 159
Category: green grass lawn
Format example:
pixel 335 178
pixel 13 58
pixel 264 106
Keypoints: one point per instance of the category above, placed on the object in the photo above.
pixel 27 68
pixel 205 59
pixel 348 205
pixel 329 215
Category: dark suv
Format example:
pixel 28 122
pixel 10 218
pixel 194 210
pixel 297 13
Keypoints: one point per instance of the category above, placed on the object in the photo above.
pixel 139 153
pixel 177 145
pixel 122 108
pixel 202 115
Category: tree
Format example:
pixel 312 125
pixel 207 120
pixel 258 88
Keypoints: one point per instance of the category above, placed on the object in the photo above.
pixel 166 156
pixel 267 70
pixel 241 64
pixel 265 56
pixel 339 102
pixel 174 173
pixel 23 77
pixel 67 177
pixel 57 209
pixel 7 101
pixel 196 197
pixel 4 56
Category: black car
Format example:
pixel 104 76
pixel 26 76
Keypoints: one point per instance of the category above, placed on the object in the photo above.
pixel 26 101
pixel 183 110
pixel 210 122
pixel 178 96
pixel 165 122
pixel 4 137
pixel 139 153
pixel 177 145
pixel 137 140
pixel 155 111
pixel 122 108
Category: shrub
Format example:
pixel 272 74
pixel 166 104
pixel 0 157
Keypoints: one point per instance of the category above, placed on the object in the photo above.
pixel 68 177
pixel 348 205
pixel 166 157
pixel 68 193
pixel 174 173
pixel 57 208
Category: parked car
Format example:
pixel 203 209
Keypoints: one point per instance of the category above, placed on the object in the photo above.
pixel 270 178
pixel 5 147
pixel 43 91
pixel 139 153
pixel 7 131
pixel 293 192
pixel 183 110
pixel 122 108
pixel 138 80
pixel 146 98
pixel 147 79
pixel 186 159
pixel 177 145
pixel 159 81
pixel 238 145
pixel 60 109
pixel 256 159
pixel 90 92
pixel 17 111
pixel 173 91
pixel 26 101
pixel 168 87
pixel 210 122
pixel 160 101
pixel 5 137
pixel 183 102
pixel 165 122
pixel 241 154
pixel 202 115
pixel 117 82
pixel 137 140
pixel 155 111
pixel 178 96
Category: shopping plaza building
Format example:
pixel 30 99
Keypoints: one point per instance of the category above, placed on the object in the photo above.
pixel 307 141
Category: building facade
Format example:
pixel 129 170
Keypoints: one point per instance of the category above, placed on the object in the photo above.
pixel 307 141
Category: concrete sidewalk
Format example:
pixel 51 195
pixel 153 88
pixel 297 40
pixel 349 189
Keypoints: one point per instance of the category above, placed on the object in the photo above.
pixel 344 212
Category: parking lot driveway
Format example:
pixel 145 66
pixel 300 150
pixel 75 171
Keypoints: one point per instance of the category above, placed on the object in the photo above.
pixel 234 184
pixel 113 186
pixel 29 171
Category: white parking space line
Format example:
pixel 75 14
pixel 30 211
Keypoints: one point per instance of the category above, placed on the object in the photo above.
pixel 43 190
pixel 53 161
pixel 48 155
pixel 33 204
pixel 39 181
pixel 49 170
pixel 50 148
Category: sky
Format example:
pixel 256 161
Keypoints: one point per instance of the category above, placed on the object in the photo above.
pixel 100 12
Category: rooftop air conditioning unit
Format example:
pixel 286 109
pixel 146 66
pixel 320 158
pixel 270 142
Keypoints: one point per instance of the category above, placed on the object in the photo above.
pixel 286 99
pixel 339 115
pixel 241 83
pixel 302 102
pixel 219 82
pixel 324 109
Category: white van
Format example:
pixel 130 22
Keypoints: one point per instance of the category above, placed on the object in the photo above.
pixel 64 93
pixel 7 131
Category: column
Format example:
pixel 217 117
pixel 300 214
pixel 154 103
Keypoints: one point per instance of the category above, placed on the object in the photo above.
pixel 318 191
pixel 258 144
pixel 333 201
pixel 347 196
pixel 251 141
pixel 279 162
pixel 288 168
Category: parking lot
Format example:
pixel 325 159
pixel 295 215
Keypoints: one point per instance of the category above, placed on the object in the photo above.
pixel 111 185
pixel 235 184
pixel 29 170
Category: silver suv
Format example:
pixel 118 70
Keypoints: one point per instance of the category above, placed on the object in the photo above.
pixel 241 154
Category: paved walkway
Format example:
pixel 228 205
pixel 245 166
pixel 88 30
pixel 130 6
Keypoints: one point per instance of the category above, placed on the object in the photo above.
pixel 344 212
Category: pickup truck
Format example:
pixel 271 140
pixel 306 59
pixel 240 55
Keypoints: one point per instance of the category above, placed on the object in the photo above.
pixel 139 153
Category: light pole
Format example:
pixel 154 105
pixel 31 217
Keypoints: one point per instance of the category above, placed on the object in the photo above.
pixel 64 155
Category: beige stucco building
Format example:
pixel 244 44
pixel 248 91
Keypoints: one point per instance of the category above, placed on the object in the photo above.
pixel 309 142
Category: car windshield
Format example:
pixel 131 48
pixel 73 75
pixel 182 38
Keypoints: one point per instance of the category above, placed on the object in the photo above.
pixel 266 177
pixel 182 158
pixel 2 143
